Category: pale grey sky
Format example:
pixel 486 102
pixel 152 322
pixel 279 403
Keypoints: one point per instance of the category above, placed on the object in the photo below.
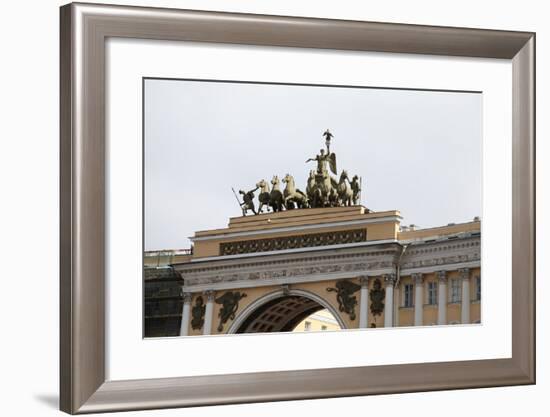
pixel 417 151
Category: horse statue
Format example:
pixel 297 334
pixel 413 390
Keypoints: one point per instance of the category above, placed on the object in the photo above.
pixel 292 195
pixel 264 198
pixel 345 193
pixel 321 189
pixel 276 200
pixel 313 192
pixel 328 186
pixel 333 195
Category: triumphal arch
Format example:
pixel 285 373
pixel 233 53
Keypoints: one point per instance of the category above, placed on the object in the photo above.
pixel 293 253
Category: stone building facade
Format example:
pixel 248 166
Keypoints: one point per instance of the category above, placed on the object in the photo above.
pixel 266 273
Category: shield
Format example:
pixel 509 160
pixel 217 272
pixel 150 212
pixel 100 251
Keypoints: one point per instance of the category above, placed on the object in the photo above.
pixel 332 163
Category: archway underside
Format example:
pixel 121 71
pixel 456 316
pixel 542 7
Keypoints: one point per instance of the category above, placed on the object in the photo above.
pixel 280 315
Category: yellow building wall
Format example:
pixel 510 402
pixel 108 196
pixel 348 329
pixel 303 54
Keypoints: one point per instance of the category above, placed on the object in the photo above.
pixel 316 323
pixel 406 316
pixel 440 231
pixel 429 312
pixel 430 315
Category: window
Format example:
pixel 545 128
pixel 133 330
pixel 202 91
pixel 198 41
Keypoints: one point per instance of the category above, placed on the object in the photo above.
pixel 478 288
pixel 432 293
pixel 455 291
pixel 307 326
pixel 323 327
pixel 408 301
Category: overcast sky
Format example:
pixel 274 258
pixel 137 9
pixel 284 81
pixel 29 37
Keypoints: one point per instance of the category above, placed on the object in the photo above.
pixel 417 151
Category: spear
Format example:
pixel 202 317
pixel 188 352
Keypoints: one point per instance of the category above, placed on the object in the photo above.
pixel 235 194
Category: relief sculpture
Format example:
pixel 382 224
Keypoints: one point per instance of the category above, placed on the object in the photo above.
pixel 346 300
pixel 230 305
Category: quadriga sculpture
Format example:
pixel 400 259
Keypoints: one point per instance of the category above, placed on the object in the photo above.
pixel 322 190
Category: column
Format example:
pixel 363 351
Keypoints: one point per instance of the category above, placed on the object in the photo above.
pixel 185 314
pixel 418 280
pixel 389 280
pixel 465 311
pixel 364 303
pixel 442 298
pixel 209 311
pixel 396 303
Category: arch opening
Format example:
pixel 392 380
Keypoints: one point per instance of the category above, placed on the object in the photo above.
pixel 286 312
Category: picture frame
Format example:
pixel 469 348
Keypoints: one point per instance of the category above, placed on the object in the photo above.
pixel 84 29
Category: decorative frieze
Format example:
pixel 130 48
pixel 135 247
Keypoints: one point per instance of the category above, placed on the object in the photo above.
pixel 350 262
pixel 293 242
pixel 424 254
pixel 302 267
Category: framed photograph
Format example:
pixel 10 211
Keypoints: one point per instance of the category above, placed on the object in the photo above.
pixel 261 208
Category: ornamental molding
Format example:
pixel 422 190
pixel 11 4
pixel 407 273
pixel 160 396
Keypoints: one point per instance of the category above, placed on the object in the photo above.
pixel 293 252
pixel 326 265
pixel 350 264
pixel 434 269
pixel 442 253
pixel 338 237
pixel 300 228
pixel 445 245
pixel 351 254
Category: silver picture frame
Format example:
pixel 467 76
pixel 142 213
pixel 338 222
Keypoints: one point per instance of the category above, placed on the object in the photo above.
pixel 83 32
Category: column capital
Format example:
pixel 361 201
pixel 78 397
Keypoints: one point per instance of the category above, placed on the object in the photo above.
pixel 442 276
pixel 389 279
pixel 210 295
pixel 187 296
pixel 364 281
pixel 464 273
pixel 418 278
